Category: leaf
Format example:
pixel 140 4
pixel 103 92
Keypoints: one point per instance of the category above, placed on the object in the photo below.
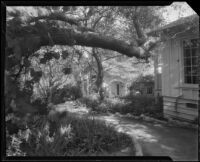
pixel 15 45
pixel 65 54
pixel 66 8
pixel 26 63
pixel 17 51
pixel 35 74
pixel 67 70
pixel 56 55
pixel 43 61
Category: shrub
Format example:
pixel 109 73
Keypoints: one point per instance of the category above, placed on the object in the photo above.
pixel 101 108
pixel 137 105
pixel 90 101
pixel 115 105
pixel 68 92
pixel 41 106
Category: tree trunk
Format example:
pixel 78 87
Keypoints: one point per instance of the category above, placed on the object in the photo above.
pixel 99 81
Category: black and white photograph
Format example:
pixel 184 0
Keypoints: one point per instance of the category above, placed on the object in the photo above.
pixel 102 81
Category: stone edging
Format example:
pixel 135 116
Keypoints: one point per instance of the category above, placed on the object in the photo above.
pixel 171 122
pixel 138 148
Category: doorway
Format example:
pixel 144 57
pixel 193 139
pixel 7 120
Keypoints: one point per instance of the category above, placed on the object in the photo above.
pixel 117 89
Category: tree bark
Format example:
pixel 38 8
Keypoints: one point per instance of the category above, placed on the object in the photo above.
pixel 99 80
pixel 71 37
pixel 91 39
pixel 61 17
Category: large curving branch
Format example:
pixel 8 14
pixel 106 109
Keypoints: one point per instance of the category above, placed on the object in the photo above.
pixel 88 39
pixel 91 39
pixel 61 17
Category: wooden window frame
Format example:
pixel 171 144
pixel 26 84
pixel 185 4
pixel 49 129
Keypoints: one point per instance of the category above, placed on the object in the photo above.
pixel 191 62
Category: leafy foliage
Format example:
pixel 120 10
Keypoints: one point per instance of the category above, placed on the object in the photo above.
pixel 27 73
pixel 68 92
pixel 67 70
pixel 36 74
pixel 135 105
pixel 65 54
pixel 140 82
pixel 74 137
pixel 90 102
pixel 48 56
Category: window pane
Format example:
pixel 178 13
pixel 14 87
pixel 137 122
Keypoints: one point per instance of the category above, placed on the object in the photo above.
pixel 194 70
pixel 149 90
pixel 194 61
pixel 187 79
pixel 195 42
pixel 195 52
pixel 187 62
pixel 187 70
pixel 194 79
pixel 191 51
pixel 187 53
pixel 186 44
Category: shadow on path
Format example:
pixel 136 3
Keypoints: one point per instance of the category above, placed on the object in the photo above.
pixel 158 139
pixel 181 144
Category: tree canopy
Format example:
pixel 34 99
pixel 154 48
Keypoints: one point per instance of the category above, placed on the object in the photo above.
pixel 101 28
pixel 88 34
pixel 58 27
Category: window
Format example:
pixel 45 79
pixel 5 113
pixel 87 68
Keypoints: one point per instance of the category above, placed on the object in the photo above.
pixel 190 56
pixel 149 90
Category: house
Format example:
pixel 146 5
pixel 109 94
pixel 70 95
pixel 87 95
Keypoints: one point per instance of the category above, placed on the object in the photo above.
pixel 143 85
pixel 115 86
pixel 157 75
pixel 179 62
pixel 118 74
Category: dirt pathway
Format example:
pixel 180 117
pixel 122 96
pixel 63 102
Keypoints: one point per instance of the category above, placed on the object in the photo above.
pixel 155 139
pixel 159 140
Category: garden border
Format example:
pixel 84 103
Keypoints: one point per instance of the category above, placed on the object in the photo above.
pixel 138 148
pixel 136 145
pixel 170 122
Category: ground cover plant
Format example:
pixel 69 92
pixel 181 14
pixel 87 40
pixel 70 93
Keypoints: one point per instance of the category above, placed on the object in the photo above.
pixel 66 135
pixel 68 92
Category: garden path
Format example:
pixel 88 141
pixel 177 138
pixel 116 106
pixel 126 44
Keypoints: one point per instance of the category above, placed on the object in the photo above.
pixel 181 144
